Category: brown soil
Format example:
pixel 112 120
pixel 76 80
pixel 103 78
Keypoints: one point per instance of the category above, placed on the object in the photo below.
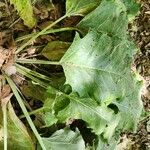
pixel 140 31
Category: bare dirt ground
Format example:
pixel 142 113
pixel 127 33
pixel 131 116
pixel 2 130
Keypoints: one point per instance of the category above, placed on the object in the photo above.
pixel 140 31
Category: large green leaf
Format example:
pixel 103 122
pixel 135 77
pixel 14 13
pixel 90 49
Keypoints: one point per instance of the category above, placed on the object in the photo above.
pixel 103 145
pixel 99 66
pixel 25 11
pixel 18 137
pixel 64 139
pixel 87 109
pixel 109 17
pixel 97 117
pixel 76 7
pixel 132 8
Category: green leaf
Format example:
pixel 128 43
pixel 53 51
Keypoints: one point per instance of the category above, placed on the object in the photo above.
pixel 72 106
pixel 104 145
pixel 132 8
pixel 98 66
pixel 82 7
pixel 55 50
pixel 48 115
pixel 109 17
pixel 96 117
pixel 18 137
pixel 64 139
pixel 112 16
pixel 49 119
pixel 25 11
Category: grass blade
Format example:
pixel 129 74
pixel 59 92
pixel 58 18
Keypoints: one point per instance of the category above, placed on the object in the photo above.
pixel 48 32
pixel 33 73
pixel 19 99
pixel 43 84
pixel 4 109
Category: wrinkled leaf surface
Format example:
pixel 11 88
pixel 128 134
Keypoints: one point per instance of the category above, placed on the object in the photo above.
pixel 64 139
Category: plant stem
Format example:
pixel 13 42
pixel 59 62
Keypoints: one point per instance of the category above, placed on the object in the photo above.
pixel 4 109
pixel 34 112
pixel 145 117
pixel 34 61
pixel 40 33
pixel 19 99
pixel 16 21
pixel 34 73
pixel 48 32
pixel 43 84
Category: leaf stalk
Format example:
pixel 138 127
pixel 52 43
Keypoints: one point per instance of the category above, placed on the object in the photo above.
pixel 38 34
pixel 34 61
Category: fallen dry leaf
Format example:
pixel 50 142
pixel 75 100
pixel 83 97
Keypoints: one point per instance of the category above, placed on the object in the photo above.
pixel 10 70
pixel 3 55
pixel 5 94
pixel 5 91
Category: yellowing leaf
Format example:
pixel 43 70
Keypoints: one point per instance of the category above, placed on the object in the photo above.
pixel 54 50
pixel 18 137
pixel 25 11
pixel 80 7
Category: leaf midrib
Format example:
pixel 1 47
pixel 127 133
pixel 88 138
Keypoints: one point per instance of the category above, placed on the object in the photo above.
pixel 89 68
pixel 69 143
pixel 92 68
pixel 88 107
